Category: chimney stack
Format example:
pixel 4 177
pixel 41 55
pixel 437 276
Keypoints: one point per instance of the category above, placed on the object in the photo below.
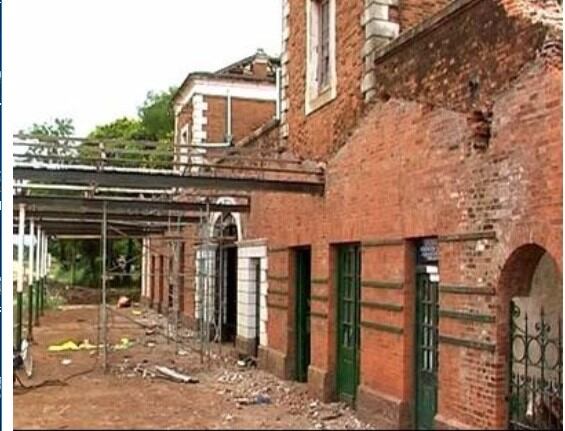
pixel 260 64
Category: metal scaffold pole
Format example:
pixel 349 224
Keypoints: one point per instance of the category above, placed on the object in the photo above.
pixel 37 276
pixel 221 276
pixel 104 276
pixel 30 281
pixel 199 289
pixel 20 281
pixel 45 243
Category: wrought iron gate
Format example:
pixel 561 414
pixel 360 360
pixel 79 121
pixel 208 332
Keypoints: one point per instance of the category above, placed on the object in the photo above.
pixel 536 382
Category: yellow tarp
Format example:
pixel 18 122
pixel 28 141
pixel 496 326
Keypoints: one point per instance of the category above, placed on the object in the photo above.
pixel 64 347
pixel 125 343
pixel 71 346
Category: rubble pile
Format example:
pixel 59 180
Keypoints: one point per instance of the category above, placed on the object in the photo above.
pixel 251 387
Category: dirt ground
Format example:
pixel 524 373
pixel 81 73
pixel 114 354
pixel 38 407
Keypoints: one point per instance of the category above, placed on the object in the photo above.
pixel 81 395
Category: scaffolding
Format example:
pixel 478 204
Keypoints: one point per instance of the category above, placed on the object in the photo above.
pixel 83 188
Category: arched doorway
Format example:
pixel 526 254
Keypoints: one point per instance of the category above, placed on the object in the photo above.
pixel 533 289
pixel 225 298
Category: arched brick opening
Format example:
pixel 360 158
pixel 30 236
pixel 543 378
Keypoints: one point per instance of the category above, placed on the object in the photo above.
pixel 531 280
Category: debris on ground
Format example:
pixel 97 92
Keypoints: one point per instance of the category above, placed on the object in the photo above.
pixel 124 302
pixel 63 347
pixel 66 362
pixel 239 393
pixel 136 312
pixel 175 376
pixel 247 362
pixel 71 346
pixel 125 343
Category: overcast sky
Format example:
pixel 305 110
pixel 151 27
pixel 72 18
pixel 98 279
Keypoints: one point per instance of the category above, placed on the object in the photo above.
pixel 94 60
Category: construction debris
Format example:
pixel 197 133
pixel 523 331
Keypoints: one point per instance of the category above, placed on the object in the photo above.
pixel 125 343
pixel 63 347
pixel 175 376
pixel 124 302
pixel 71 346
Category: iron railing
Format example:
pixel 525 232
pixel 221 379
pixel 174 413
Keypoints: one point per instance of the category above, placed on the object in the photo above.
pixel 536 383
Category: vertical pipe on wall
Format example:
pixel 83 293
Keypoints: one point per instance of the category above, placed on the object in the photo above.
pixel 229 120
pixel 278 75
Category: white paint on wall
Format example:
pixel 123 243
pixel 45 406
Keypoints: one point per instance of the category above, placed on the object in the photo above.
pixel 242 90
pixel 249 252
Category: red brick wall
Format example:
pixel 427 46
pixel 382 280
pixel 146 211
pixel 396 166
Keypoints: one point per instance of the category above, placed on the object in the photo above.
pixel 413 12
pixel 447 61
pixel 326 129
pixel 216 119
pixel 247 115
pixel 160 247
pixel 409 170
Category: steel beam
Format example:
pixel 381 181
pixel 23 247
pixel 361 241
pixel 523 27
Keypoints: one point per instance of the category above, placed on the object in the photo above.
pixel 77 203
pixel 163 179
pixel 112 215
pixel 123 221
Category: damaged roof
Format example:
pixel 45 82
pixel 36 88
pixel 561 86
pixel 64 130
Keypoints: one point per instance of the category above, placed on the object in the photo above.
pixel 239 70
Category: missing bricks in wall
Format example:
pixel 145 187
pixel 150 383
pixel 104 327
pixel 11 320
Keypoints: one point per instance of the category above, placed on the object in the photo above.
pixel 480 122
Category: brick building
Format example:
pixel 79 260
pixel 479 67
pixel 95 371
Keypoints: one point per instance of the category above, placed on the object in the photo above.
pixel 399 289
pixel 223 107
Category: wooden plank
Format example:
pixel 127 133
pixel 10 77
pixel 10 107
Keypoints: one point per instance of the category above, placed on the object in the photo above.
pixel 470 344
pixel 382 327
pixel 380 284
pixel 470 236
pixel 382 306
pixel 458 289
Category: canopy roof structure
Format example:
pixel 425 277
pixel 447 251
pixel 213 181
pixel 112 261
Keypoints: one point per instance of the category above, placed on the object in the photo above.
pixel 58 179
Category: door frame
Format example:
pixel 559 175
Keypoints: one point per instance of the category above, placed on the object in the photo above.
pixel 419 264
pixel 338 249
pixel 306 356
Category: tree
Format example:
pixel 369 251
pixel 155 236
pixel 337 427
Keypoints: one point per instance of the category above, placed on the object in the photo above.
pixel 60 128
pixel 156 115
pixel 155 123
pixel 122 128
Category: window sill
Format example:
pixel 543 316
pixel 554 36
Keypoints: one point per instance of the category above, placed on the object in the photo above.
pixel 321 99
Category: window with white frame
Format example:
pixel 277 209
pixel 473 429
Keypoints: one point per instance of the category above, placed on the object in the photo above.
pixel 321 65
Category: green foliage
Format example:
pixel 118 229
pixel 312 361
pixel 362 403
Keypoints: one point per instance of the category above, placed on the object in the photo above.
pixel 155 123
pixel 122 128
pixel 79 261
pixel 59 128
pixel 157 116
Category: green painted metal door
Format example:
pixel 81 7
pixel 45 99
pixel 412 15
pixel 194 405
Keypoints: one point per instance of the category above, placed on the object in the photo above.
pixel 302 314
pixel 426 350
pixel 348 315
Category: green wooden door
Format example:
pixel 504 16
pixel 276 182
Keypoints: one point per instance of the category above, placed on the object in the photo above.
pixel 426 350
pixel 302 313
pixel 348 315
